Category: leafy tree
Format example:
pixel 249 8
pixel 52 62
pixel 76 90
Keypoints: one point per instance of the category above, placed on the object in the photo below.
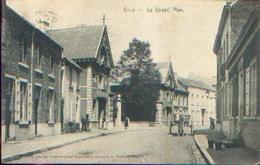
pixel 140 79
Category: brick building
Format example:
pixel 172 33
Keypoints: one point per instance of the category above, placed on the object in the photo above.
pixel 238 74
pixel 30 80
pixel 89 47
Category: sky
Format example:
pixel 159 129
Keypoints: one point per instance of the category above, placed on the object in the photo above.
pixel 182 31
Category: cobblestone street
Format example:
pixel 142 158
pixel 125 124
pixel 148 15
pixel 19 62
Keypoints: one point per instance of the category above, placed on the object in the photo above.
pixel 143 145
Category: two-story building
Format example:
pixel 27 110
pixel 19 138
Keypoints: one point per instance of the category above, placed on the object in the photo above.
pixel 30 80
pixel 89 47
pixel 201 101
pixel 238 74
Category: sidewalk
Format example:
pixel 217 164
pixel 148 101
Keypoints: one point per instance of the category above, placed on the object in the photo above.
pixel 235 155
pixel 17 149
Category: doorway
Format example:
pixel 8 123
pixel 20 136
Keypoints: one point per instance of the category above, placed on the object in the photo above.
pixel 37 93
pixel 101 111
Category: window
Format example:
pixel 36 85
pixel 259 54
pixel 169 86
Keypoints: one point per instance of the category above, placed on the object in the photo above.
pixel 70 78
pixel 197 99
pixel 23 101
pixel 51 64
pixel 50 103
pixel 192 99
pixel 22 48
pixel 253 89
pixel 247 91
pixel 38 55
pixel 78 78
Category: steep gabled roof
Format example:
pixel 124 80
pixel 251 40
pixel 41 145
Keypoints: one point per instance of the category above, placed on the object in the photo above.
pixel 79 42
pixel 165 69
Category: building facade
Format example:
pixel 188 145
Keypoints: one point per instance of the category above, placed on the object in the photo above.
pixel 70 72
pixel 238 74
pixel 201 101
pixel 164 105
pixel 89 47
pixel 30 80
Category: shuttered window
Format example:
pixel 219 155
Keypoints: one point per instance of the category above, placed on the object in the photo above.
pixel 23 101
pixel 50 101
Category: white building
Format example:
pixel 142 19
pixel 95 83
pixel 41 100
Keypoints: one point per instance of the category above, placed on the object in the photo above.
pixel 70 91
pixel 201 101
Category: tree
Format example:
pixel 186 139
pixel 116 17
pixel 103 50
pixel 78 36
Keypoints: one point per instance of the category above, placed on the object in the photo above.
pixel 140 79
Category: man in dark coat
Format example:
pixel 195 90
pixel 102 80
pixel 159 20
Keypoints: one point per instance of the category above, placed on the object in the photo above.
pixel 180 126
pixel 212 124
pixel 126 122
pixel 83 122
pixel 87 123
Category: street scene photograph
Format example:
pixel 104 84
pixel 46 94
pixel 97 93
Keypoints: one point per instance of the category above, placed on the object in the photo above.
pixel 130 82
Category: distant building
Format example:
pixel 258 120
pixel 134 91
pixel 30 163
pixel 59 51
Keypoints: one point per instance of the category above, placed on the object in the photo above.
pixel 173 100
pixel 70 72
pixel 238 74
pixel 201 102
pixel 30 69
pixel 164 105
pixel 89 47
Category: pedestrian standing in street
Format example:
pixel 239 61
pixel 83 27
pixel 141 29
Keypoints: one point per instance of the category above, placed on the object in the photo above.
pixel 171 125
pixel 180 126
pixel 126 122
pixel 212 124
pixel 83 123
pixel 87 123
pixel 191 125
pixel 103 123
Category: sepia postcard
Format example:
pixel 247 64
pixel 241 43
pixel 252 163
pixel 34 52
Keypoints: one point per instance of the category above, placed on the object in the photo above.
pixel 130 81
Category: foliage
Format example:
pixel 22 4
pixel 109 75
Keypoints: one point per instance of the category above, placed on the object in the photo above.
pixel 140 79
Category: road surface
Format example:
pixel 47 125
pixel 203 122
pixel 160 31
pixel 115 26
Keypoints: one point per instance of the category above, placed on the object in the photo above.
pixel 142 145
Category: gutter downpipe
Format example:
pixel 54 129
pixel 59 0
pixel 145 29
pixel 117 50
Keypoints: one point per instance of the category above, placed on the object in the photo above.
pixel 32 75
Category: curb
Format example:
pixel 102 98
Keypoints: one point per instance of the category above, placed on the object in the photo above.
pixel 36 151
pixel 203 151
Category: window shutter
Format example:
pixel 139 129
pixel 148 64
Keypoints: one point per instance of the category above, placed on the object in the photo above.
pixel 17 100
pixel 29 117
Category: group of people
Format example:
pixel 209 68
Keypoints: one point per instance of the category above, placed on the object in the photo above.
pixel 180 122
